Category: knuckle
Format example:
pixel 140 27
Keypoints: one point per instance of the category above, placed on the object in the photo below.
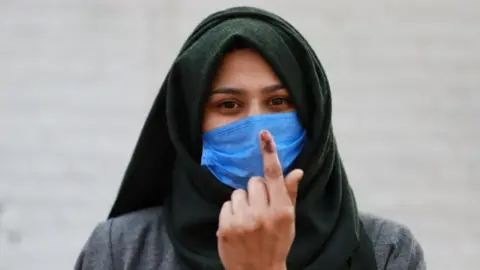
pixel 240 231
pixel 243 229
pixel 255 183
pixel 235 228
pixel 272 171
pixel 253 227
pixel 238 193
pixel 253 222
pixel 225 208
pixel 226 204
pixel 224 232
pixel 286 214
pixel 242 225
pixel 259 216
pixel 256 225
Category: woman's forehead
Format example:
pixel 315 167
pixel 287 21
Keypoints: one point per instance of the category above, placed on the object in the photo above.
pixel 244 68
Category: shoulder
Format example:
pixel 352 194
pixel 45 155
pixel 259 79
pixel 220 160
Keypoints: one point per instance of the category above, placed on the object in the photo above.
pixel 132 238
pixel 96 253
pixel 129 227
pixel 396 247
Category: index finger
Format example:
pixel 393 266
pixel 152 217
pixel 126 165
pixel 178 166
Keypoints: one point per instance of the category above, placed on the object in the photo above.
pixel 272 170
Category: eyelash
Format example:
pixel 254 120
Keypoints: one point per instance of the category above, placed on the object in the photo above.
pixel 221 104
pixel 284 100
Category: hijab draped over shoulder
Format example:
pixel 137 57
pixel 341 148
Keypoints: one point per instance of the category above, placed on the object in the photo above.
pixel 165 171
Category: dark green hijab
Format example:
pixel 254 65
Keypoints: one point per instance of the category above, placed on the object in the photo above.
pixel 165 171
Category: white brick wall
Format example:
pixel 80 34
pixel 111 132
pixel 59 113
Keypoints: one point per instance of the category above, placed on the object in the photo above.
pixel 78 77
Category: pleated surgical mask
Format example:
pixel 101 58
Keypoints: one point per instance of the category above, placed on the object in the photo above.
pixel 233 153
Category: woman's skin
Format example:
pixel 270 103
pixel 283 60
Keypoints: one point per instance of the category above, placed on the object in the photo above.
pixel 245 85
pixel 256 226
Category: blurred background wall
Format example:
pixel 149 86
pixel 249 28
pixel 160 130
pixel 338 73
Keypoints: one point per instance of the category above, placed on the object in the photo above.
pixel 77 79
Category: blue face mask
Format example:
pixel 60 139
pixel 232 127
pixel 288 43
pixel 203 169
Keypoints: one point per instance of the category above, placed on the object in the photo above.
pixel 233 154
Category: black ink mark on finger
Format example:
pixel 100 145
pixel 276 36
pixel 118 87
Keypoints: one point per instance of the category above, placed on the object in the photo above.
pixel 268 145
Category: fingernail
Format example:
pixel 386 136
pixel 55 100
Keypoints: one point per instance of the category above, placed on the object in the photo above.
pixel 264 135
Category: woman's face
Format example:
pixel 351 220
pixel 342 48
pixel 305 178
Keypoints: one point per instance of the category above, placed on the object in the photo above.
pixel 245 85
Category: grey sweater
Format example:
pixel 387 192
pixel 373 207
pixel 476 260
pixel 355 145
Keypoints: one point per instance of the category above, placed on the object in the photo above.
pixel 139 241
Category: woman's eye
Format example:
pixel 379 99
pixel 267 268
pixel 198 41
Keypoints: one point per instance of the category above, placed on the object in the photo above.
pixel 228 105
pixel 278 101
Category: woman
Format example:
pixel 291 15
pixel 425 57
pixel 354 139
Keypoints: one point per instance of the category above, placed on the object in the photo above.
pixel 237 166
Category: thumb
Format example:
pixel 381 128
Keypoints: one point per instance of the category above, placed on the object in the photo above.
pixel 291 183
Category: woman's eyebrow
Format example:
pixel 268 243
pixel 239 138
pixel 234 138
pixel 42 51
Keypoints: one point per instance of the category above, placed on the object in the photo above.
pixel 273 88
pixel 227 90
pixel 240 91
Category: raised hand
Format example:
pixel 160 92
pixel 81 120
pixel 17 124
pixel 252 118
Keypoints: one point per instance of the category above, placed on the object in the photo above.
pixel 257 226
